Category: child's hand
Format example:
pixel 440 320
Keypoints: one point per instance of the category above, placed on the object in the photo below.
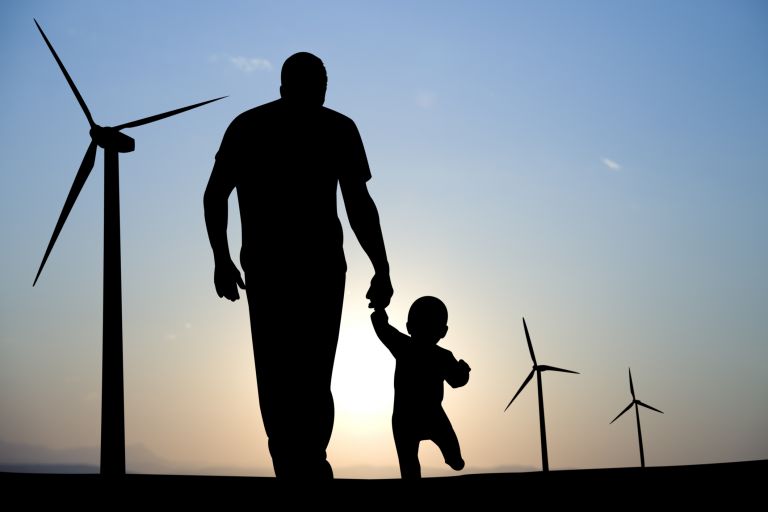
pixel 459 374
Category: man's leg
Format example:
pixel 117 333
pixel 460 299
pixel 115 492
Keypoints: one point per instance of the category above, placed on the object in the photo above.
pixel 294 348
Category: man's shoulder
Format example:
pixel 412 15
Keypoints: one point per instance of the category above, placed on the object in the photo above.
pixel 276 108
pixel 256 113
pixel 335 115
pixel 338 119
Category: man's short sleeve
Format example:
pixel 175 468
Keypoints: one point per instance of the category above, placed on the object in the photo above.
pixel 354 162
pixel 229 150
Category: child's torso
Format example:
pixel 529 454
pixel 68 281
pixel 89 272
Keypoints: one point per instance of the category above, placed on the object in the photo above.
pixel 419 376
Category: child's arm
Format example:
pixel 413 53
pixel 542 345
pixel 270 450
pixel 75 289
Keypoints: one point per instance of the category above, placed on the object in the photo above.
pixel 389 336
pixel 458 373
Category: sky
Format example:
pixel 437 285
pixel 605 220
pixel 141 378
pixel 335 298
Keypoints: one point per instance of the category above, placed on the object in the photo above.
pixel 596 167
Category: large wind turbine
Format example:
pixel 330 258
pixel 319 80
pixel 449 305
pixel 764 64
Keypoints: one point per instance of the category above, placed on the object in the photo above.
pixel 537 369
pixel 636 403
pixel 114 143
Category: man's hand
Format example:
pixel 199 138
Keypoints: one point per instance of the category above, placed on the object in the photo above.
pixel 379 316
pixel 380 292
pixel 227 278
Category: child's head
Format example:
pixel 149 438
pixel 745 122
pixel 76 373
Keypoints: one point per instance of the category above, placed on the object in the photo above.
pixel 428 320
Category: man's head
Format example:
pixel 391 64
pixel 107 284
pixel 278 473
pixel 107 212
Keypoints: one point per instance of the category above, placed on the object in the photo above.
pixel 303 79
pixel 428 320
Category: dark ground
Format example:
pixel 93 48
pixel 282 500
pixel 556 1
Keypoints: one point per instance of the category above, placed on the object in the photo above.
pixel 733 485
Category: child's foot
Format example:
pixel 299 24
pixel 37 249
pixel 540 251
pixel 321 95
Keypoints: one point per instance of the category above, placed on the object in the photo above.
pixel 456 465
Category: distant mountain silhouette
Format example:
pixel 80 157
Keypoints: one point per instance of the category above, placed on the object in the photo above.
pixel 29 454
pixel 29 458
pixel 58 469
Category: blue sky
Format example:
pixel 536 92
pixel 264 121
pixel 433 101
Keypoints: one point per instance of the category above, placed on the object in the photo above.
pixel 599 167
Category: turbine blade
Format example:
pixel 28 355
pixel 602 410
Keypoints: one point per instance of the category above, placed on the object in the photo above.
pixel 528 339
pixel 648 406
pixel 525 382
pixel 554 369
pixel 157 117
pixel 631 387
pixel 82 175
pixel 622 412
pixel 69 78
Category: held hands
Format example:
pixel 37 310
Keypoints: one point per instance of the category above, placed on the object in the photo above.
pixel 227 278
pixel 380 292
pixel 379 316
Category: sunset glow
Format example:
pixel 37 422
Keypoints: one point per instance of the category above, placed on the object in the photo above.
pixel 598 168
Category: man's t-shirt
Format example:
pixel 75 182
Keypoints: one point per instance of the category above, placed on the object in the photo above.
pixel 286 163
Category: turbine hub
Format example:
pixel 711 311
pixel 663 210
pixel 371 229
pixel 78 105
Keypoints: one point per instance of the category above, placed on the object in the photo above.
pixel 110 138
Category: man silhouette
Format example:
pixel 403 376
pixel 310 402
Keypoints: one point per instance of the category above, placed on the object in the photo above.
pixel 286 158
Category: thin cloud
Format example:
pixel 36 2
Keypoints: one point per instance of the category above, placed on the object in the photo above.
pixel 612 165
pixel 250 64
pixel 426 99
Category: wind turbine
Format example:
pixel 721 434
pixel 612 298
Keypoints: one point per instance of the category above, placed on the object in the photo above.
pixel 114 143
pixel 537 369
pixel 636 403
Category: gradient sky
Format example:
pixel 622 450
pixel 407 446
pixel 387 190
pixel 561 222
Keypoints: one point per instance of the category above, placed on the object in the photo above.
pixel 600 168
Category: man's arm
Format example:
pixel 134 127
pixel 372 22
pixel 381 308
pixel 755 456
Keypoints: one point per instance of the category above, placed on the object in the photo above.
pixel 226 276
pixel 364 219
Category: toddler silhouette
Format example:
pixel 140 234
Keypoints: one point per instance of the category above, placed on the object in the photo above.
pixel 420 370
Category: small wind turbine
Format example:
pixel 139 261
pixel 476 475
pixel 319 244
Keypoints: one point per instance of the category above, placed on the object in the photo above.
pixel 114 143
pixel 537 369
pixel 636 403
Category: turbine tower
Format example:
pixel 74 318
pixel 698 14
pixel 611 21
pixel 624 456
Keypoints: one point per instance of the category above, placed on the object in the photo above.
pixel 537 369
pixel 637 403
pixel 113 142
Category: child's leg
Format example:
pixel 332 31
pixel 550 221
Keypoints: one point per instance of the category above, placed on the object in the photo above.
pixel 445 439
pixel 408 456
pixel 407 445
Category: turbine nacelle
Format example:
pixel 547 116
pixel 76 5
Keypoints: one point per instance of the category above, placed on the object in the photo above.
pixel 108 137
pixel 537 368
